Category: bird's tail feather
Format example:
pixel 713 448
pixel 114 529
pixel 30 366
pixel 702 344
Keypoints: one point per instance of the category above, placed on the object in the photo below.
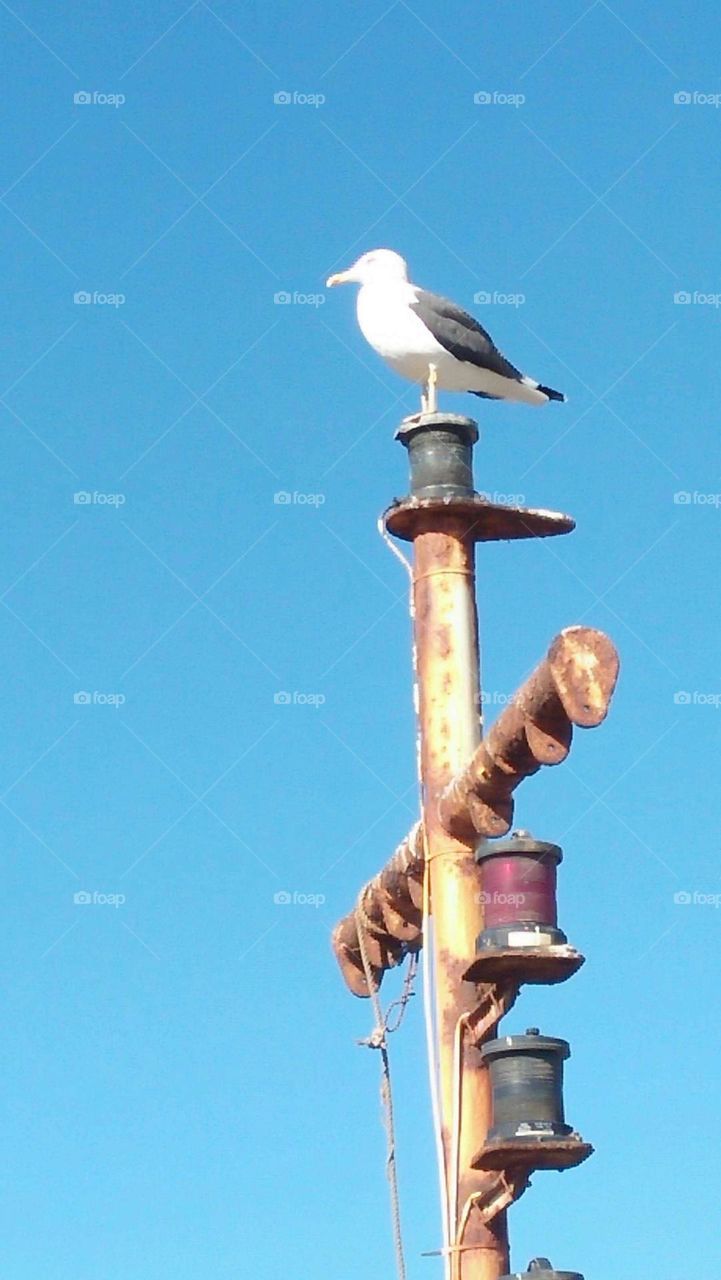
pixel 552 395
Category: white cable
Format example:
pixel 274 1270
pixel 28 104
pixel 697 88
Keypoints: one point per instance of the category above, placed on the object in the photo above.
pixel 458 1036
pixel 428 994
pixel 381 526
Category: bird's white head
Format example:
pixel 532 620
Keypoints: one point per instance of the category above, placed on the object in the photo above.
pixel 371 268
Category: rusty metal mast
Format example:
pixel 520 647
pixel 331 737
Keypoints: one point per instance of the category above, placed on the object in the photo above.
pixel 466 794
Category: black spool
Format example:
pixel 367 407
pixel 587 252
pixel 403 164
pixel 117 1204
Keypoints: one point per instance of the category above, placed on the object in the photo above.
pixel 541 1269
pixel 527 1086
pixel 440 453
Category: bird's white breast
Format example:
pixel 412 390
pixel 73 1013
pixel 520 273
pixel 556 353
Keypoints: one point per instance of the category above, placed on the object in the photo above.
pixel 390 325
pixel 394 331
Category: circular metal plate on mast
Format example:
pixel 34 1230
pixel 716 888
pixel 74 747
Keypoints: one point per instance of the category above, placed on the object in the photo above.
pixel 485 521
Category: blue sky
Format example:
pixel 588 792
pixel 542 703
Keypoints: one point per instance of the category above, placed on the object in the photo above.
pixel 182 1092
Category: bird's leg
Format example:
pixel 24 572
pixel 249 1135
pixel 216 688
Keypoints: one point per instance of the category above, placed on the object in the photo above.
pixel 431 405
pixel 424 397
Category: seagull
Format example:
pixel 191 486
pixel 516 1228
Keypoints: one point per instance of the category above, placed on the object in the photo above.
pixel 430 340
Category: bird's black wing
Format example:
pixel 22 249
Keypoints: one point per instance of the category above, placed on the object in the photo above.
pixel 461 335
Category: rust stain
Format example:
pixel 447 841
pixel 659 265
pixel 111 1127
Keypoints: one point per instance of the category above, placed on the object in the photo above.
pixel 573 685
pixel 443 643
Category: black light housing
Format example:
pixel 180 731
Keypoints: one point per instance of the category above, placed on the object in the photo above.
pixel 527 1085
pixel 440 452
pixel 541 1269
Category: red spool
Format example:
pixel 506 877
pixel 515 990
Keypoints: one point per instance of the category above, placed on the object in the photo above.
pixel 519 881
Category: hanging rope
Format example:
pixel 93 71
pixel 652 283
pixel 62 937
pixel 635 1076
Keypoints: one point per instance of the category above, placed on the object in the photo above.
pixel 378 1039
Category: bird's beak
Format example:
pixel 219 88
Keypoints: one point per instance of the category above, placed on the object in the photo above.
pixel 343 277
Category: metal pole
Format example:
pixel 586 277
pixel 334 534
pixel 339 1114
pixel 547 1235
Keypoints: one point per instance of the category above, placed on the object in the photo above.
pixel 446 638
pixel 444 517
pixel 447 673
